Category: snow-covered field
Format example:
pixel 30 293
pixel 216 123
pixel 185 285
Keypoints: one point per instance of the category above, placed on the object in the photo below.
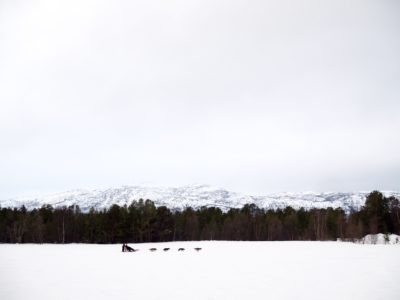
pixel 221 270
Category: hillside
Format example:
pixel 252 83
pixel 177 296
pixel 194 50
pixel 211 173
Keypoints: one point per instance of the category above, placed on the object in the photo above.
pixel 194 196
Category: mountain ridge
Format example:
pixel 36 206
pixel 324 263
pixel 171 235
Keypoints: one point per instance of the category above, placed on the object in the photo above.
pixel 194 196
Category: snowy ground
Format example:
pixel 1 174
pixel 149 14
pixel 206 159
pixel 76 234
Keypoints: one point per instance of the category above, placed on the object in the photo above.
pixel 222 270
pixel 380 238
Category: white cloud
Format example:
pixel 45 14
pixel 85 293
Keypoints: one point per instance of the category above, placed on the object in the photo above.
pixel 252 95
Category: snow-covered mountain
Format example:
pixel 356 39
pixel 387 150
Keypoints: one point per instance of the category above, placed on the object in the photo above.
pixel 194 196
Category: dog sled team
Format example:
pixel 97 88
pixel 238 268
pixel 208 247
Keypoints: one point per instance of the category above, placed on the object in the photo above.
pixel 126 248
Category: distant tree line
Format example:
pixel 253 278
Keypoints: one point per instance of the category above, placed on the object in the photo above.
pixel 142 221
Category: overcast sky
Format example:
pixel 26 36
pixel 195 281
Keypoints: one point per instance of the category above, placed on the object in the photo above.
pixel 253 96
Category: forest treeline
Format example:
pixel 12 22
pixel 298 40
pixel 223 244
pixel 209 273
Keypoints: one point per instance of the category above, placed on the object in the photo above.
pixel 142 221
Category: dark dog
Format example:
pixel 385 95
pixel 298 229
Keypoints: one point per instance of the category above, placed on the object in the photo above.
pixel 153 249
pixel 197 249
pixel 181 249
pixel 166 249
